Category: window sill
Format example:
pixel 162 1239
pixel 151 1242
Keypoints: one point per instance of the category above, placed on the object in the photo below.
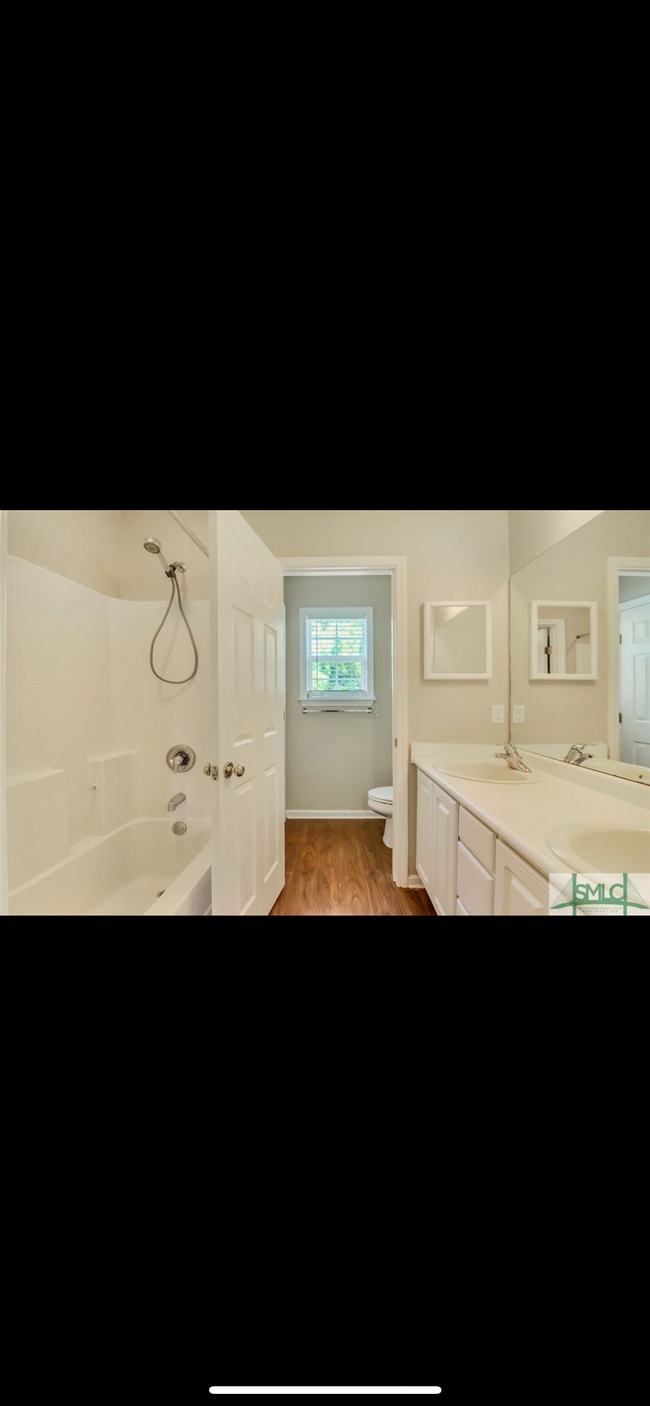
pixel 343 698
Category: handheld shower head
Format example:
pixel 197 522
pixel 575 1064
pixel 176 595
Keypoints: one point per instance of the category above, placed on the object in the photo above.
pixel 151 544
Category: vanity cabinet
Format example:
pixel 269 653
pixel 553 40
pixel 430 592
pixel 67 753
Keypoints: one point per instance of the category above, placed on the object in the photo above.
pixel 437 845
pixel 466 871
pixel 521 892
pixel 445 853
pixel 424 850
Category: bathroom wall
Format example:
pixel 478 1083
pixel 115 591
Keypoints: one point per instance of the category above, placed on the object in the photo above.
pixel 534 530
pixel 333 761
pixel 452 554
pixel 575 569
pixel 102 547
pixel 82 544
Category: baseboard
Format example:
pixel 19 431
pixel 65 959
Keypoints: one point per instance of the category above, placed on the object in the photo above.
pixel 414 882
pixel 334 815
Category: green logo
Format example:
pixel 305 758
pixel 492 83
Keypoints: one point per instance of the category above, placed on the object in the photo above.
pixel 611 894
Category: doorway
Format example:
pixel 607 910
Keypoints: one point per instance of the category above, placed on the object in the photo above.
pixel 629 660
pixel 357 571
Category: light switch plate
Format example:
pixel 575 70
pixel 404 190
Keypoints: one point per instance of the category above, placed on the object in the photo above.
pixel 518 713
pixel 498 713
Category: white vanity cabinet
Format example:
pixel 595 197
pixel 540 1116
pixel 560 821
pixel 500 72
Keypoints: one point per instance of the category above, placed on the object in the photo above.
pixel 466 871
pixel 437 845
pixel 424 850
pixel 521 891
pixel 445 853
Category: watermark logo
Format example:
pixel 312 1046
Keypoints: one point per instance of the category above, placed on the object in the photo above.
pixel 596 895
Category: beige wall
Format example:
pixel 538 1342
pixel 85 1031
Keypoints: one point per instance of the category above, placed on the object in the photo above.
pixel 102 548
pixel 535 530
pixel 575 569
pixel 452 554
pixel 333 761
pixel 82 544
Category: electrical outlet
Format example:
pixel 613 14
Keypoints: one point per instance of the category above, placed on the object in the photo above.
pixel 498 713
pixel 518 713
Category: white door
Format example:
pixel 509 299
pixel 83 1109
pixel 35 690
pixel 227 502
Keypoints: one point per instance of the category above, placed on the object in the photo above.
pixel 424 849
pixel 248 691
pixel 521 892
pixel 445 853
pixel 635 684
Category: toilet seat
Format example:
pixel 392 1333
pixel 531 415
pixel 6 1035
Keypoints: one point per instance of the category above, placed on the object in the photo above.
pixel 382 794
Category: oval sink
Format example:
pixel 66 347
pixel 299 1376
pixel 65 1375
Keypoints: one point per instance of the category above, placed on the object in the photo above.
pixel 601 849
pixel 485 771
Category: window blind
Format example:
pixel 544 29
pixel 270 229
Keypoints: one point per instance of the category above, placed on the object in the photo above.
pixel 337 654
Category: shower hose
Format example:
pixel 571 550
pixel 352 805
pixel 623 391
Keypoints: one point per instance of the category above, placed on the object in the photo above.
pixel 175 590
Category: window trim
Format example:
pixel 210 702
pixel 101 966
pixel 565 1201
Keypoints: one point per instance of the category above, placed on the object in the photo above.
pixel 349 612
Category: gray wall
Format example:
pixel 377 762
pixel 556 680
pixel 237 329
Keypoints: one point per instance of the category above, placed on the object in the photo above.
pixel 333 761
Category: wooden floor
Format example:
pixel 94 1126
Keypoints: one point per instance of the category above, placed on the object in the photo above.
pixel 338 868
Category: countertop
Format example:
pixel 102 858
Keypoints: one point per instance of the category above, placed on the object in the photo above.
pixel 522 816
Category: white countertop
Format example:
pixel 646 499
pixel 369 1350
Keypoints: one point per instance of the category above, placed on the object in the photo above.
pixel 523 815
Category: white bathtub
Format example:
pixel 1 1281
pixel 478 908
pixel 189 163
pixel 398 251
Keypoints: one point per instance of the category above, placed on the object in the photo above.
pixel 122 874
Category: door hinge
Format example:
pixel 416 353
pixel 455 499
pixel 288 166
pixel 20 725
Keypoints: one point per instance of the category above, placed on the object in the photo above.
pixel 620 639
pixel 549 649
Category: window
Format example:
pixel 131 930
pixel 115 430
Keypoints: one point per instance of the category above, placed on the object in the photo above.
pixel 336 652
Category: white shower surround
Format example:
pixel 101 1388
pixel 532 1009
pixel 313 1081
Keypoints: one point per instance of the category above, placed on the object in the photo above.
pixel 81 697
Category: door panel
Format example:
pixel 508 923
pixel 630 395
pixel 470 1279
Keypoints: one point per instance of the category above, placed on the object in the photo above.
pixel 635 684
pixel 445 853
pixel 248 681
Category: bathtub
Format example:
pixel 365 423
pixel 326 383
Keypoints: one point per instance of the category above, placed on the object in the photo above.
pixel 140 870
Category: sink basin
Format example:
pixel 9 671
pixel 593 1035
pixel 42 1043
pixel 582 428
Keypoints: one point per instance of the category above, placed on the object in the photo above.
pixel 486 771
pixel 592 848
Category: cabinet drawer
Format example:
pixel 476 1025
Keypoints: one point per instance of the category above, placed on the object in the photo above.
pixel 460 911
pixel 478 840
pixel 475 885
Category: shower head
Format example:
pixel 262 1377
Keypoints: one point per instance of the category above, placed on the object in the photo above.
pixel 151 544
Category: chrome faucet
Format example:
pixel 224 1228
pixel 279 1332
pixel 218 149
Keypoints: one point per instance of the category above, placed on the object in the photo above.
pixel 576 754
pixel 176 801
pixel 512 757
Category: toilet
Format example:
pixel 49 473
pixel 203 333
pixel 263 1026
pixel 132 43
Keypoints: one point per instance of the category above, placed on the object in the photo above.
pixel 380 799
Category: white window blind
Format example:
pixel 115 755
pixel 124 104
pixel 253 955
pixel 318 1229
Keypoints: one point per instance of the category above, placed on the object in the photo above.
pixel 337 653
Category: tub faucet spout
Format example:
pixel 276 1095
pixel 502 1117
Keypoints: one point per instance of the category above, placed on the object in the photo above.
pixel 176 801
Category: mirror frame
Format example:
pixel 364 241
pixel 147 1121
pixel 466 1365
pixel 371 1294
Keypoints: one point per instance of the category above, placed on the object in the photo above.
pixel 534 675
pixel 429 607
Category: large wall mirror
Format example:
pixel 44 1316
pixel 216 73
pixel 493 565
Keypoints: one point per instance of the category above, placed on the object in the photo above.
pixel 580 621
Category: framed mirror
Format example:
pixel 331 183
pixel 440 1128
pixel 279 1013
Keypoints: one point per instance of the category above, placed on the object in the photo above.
pixel 564 640
pixel 458 639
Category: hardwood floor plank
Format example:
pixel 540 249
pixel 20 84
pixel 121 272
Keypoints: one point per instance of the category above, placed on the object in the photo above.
pixel 343 868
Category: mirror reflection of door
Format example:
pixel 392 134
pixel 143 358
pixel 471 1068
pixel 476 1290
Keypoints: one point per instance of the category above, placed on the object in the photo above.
pixel 551 647
pixel 634 599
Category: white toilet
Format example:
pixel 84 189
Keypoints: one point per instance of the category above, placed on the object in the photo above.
pixel 380 799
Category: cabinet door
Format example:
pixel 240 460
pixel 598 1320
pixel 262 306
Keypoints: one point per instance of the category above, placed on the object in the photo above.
pixel 521 891
pixel 445 853
pixel 424 851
